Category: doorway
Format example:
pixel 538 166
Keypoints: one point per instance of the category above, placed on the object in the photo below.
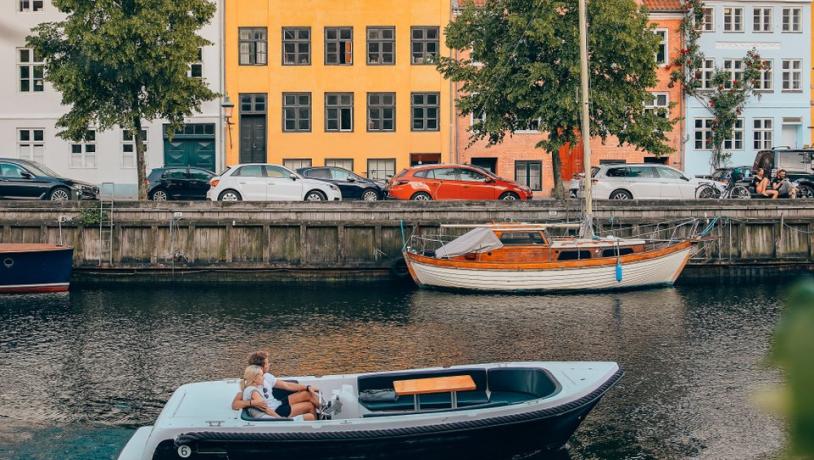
pixel 253 128
pixel 790 135
pixel 417 159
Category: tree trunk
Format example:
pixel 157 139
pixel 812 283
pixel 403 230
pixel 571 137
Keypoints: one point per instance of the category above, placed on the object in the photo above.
pixel 555 165
pixel 141 175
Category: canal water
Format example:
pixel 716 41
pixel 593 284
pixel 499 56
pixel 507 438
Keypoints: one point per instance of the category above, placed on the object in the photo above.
pixel 79 372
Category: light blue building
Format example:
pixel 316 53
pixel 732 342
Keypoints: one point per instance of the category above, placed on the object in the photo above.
pixel 780 31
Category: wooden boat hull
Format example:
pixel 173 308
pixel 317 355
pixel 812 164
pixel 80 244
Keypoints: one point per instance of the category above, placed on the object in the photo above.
pixel 34 268
pixel 653 268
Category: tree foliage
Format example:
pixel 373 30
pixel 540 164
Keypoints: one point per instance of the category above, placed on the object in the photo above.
pixel 118 62
pixel 520 63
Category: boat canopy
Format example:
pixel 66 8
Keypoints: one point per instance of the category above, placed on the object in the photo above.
pixel 481 239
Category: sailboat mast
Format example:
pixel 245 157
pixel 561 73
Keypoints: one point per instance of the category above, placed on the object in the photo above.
pixel 587 229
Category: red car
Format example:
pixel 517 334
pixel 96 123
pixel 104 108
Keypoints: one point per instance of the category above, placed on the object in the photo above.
pixel 453 182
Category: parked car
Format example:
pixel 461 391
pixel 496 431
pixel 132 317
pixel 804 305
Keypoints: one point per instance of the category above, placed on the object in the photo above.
pixel 29 180
pixel 352 186
pixel 178 183
pixel 453 182
pixel 798 163
pixel 266 182
pixel 640 181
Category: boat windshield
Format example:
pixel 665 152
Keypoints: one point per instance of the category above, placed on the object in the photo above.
pixel 518 238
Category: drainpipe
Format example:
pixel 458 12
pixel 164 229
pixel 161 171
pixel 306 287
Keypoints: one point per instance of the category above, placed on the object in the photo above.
pixel 222 82
pixel 453 98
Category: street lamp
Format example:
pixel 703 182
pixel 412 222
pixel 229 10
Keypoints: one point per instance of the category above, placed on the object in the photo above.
pixel 228 108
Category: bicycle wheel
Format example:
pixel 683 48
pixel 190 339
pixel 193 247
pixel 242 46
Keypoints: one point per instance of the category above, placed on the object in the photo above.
pixel 739 192
pixel 707 192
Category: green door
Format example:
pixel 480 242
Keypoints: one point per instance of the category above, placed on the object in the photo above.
pixel 193 146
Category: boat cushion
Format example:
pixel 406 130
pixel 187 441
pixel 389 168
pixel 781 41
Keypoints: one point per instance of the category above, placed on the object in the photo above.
pixel 430 401
pixel 377 396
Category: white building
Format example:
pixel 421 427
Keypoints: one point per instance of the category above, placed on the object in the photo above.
pixel 30 108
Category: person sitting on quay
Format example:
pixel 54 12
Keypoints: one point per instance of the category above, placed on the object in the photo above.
pixel 761 184
pixel 783 185
pixel 252 389
pixel 303 399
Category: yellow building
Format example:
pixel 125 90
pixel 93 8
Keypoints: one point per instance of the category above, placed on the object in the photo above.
pixel 351 83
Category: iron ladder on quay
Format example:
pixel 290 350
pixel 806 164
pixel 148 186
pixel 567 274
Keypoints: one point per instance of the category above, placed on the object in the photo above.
pixel 106 205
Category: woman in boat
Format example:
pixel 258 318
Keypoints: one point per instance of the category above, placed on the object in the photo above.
pixel 253 392
pixel 302 399
pixel 761 184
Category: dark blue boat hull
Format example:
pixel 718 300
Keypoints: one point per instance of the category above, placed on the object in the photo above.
pixel 35 270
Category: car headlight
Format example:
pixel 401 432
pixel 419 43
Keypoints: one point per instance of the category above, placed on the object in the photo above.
pixel 333 187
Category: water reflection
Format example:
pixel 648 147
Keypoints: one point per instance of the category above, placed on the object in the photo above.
pixel 107 359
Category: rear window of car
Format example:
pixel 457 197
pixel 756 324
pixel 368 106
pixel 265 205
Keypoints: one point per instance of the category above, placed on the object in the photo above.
pixel 319 173
pixel 175 174
pixel 200 174
pixel 668 173
pixel 425 173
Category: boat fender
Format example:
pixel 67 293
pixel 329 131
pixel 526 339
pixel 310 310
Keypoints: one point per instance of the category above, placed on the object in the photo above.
pixel 8 262
pixel 184 451
pixel 398 268
pixel 618 271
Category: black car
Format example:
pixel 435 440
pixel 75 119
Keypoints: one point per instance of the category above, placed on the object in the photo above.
pixel 178 183
pixel 798 163
pixel 352 186
pixel 29 180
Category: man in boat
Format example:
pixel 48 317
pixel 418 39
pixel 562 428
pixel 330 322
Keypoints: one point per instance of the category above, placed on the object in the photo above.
pixel 300 399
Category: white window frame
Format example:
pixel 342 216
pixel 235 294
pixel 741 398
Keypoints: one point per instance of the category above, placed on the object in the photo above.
pixel 665 42
pixel 382 164
pixel 706 130
pixel 735 69
pixel 655 106
pixel 31 65
pixel 706 72
pixel 344 163
pixel 199 63
pixel 762 20
pixel 766 80
pixel 529 130
pixel 707 26
pixel 734 26
pixel 736 142
pixel 84 159
pixel 27 6
pixel 792 72
pixel 297 163
pixel 792 26
pixel 130 141
pixel 26 149
pixel 763 134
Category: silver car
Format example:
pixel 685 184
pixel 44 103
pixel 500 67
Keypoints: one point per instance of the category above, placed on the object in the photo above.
pixel 267 182
pixel 639 181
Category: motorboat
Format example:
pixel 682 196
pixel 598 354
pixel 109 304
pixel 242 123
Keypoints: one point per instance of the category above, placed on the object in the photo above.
pixel 440 412
pixel 34 268
pixel 526 257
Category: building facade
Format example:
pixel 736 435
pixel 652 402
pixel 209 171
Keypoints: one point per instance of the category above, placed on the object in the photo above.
pixel 780 31
pixel 31 108
pixel 348 84
pixel 518 159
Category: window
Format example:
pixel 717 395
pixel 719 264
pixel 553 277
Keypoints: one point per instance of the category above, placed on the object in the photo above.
pixel 338 112
pixel 661 53
pixel 129 147
pixel 468 175
pixel 529 173
pixel 792 74
pixel 617 172
pixel 341 174
pixel 764 83
pixel 669 173
pixel 278 172
pixel 381 111
pixel 30 6
pixel 296 112
pixel 346 163
pixel 11 170
pixel 762 20
pixel 381 169
pixel 250 104
pixel 425 111
pixel 196 68
pixel 319 173
pixel 703 133
pixel 249 171
pixel 660 105
pixel 297 163
pixel 705 73
pixel 253 46
pixel 30 70
pixel 381 45
pixel 31 144
pixel 762 133
pixel 792 19
pixel 735 69
pixel 338 45
pixel 642 172
pixel 83 153
pixel 296 46
pixel 424 44
pixel 708 21
pixel 533 127
pixel 736 142
pixel 177 174
pixel 733 19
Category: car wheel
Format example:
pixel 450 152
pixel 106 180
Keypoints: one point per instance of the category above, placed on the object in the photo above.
pixel 421 196
pixel 509 196
pixel 315 195
pixel 59 194
pixel 805 191
pixel 621 195
pixel 370 195
pixel 229 195
pixel 159 195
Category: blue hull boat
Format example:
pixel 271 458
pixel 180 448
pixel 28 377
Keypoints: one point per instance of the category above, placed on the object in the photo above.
pixel 34 268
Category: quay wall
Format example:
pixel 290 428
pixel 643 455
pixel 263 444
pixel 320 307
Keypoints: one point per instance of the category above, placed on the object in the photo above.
pixel 268 241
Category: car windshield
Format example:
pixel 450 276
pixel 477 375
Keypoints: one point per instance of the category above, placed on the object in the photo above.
pixel 41 170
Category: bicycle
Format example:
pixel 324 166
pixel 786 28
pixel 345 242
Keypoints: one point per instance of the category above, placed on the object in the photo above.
pixel 732 190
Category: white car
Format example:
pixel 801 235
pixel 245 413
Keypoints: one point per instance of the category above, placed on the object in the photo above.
pixel 640 182
pixel 266 182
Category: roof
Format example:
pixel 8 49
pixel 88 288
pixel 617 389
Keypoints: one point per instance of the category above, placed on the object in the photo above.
pixel 663 5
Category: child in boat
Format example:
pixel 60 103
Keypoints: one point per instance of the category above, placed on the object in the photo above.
pixel 302 400
pixel 253 392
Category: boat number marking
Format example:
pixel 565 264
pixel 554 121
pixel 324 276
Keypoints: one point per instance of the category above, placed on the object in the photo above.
pixel 8 262
pixel 184 451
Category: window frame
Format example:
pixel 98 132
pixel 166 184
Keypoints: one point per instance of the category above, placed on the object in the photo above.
pixel 424 40
pixel 735 10
pixel 304 163
pixel 296 108
pixel 738 135
pixel 380 42
pixel 528 164
pixel 759 137
pixel 764 73
pixel 30 8
pixel 654 106
pixel 339 107
pixel 735 71
pixel 199 64
pixel 791 73
pixel 388 160
pixel 794 28
pixel 706 130
pixel 665 43
pixel 31 65
pixel 338 40
pixel 253 49
pixel 327 163
pixel 132 142
pixel 707 74
pixel 84 154
pixel 424 107
pixel 381 107
pixel 31 144
pixel 759 12
pixel 704 25
pixel 296 41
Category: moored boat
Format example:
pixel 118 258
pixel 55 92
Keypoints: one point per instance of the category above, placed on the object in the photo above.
pixel 35 268
pixel 525 405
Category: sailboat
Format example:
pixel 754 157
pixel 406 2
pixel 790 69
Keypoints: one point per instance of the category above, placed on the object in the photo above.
pixel 527 257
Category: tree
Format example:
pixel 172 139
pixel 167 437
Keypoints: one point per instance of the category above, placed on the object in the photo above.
pixel 723 93
pixel 523 66
pixel 118 62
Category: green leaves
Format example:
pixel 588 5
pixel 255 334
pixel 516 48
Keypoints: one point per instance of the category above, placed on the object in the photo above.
pixel 520 64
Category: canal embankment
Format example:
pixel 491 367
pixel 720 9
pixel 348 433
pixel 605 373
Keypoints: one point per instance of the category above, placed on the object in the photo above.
pixel 220 242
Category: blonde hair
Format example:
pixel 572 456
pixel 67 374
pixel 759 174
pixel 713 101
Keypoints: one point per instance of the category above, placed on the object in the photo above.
pixel 249 376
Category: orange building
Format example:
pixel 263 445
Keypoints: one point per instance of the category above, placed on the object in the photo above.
pixel 518 159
